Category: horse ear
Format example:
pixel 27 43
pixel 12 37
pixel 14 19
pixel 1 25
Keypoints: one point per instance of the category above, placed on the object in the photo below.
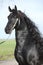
pixel 9 9
pixel 15 8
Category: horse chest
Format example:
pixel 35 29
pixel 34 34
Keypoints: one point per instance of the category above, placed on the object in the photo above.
pixel 21 38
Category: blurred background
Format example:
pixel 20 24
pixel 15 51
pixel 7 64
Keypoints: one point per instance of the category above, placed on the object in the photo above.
pixel 32 8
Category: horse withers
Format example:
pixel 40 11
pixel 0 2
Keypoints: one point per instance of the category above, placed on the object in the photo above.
pixel 28 39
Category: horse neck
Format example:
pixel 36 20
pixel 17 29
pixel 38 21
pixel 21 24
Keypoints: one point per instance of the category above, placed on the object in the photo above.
pixel 22 35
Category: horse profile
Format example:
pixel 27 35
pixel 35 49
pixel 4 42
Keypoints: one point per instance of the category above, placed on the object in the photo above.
pixel 29 43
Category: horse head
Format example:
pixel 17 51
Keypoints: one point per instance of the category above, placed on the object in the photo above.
pixel 13 20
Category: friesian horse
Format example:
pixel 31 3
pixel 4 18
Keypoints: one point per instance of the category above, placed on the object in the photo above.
pixel 29 43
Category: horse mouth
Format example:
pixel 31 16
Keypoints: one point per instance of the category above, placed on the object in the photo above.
pixel 7 31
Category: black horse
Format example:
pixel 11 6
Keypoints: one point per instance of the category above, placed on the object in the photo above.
pixel 29 44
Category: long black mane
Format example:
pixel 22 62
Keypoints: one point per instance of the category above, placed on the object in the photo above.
pixel 33 29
